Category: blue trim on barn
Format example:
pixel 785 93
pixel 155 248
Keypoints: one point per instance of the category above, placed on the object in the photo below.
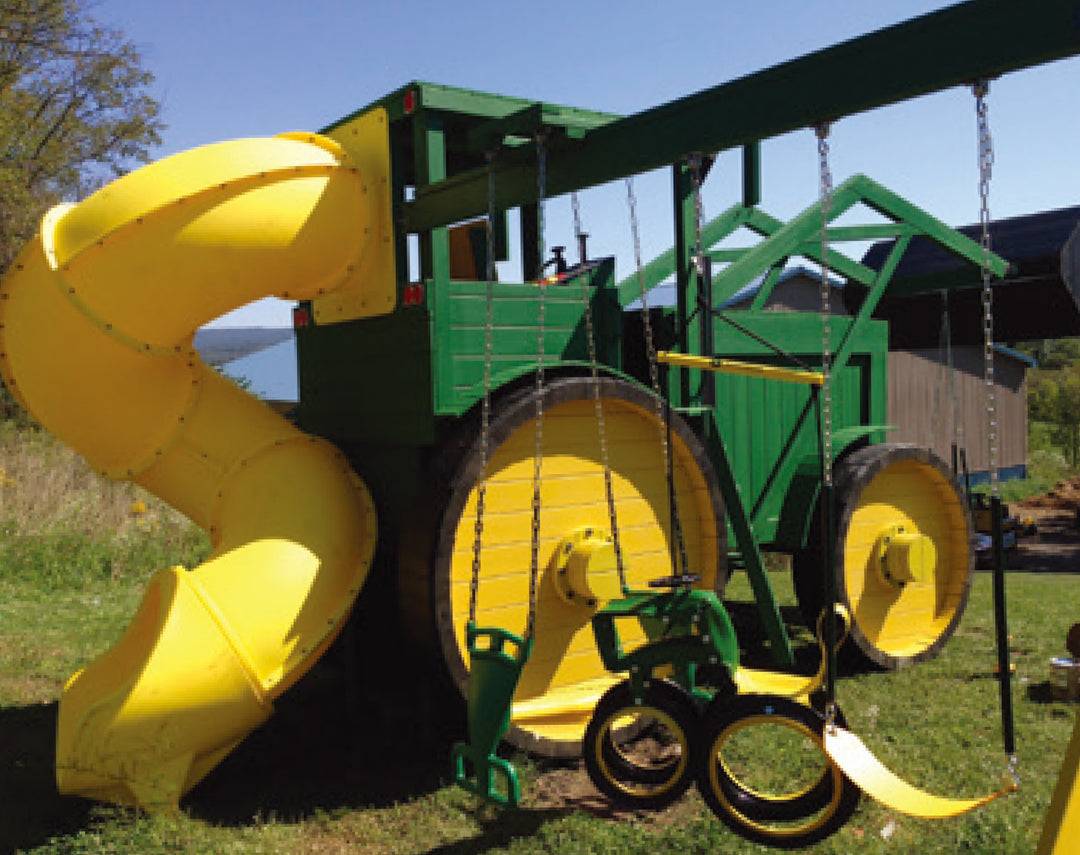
pixel 1005 473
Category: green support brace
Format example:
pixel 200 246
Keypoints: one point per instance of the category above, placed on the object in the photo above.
pixel 747 544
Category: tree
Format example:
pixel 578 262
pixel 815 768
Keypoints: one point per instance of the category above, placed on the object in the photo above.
pixel 1054 398
pixel 74 112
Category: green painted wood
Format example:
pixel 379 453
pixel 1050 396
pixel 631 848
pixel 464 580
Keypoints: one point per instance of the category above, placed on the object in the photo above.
pixel 770 427
pixel 367 380
pixel 459 318
pixel 751 174
pixel 768 284
pixel 429 144
pixel 664 266
pixel 482 106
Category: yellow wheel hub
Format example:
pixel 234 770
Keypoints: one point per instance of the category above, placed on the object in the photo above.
pixel 586 570
pixel 905 556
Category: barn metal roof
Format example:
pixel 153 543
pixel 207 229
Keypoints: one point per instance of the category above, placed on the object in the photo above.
pixel 1039 299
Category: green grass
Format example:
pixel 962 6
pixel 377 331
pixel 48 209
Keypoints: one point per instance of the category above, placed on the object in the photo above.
pixel 310 783
pixel 333 773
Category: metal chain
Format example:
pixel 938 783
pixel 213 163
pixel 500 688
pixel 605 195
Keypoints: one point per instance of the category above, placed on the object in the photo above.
pixel 650 342
pixel 699 218
pixel 654 374
pixel 826 308
pixel 601 426
pixel 538 452
pixel 826 201
pixel 986 167
pixel 485 407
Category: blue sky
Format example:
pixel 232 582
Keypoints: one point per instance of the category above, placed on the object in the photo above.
pixel 235 68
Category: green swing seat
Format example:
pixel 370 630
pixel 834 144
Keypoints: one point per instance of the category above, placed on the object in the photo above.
pixel 496 660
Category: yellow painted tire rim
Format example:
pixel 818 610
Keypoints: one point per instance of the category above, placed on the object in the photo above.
pixel 564 677
pixel 882 490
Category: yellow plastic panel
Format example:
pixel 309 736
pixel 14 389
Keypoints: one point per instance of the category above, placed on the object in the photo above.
pixel 260 217
pixel 371 285
pixel 136 725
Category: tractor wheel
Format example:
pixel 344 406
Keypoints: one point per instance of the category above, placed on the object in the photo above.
pixel 904 556
pixel 564 677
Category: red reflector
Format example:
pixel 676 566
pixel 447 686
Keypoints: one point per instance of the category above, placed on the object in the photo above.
pixel 301 317
pixel 410 102
pixel 413 295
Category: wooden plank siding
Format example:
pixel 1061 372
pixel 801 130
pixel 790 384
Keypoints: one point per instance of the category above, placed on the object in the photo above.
pixel 921 404
pixel 920 394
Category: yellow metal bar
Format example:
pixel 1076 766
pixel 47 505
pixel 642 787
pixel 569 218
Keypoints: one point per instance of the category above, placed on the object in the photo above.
pixel 733 366
pixel 1061 829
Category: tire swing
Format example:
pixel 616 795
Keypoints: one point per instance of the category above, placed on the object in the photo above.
pixel 639 751
pixel 763 769
pixel 795 807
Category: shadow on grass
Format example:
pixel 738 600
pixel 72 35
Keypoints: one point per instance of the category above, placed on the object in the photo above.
pixel 337 743
pixel 503 830
pixel 332 743
pixel 31 809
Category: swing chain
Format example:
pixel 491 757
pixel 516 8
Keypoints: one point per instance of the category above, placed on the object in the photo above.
pixel 986 168
pixel 646 318
pixel 826 180
pixel 695 162
pixel 485 406
pixel 590 336
pixel 538 453
pixel 654 377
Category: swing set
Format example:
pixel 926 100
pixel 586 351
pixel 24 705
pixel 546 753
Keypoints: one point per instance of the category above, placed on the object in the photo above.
pixel 678 696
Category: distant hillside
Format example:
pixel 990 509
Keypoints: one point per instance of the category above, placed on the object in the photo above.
pixel 217 346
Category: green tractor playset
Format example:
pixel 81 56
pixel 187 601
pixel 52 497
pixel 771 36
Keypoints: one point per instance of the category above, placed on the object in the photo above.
pixel 551 478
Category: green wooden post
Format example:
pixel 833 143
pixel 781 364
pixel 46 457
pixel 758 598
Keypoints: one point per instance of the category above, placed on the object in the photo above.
pixel 688 388
pixel 430 145
pixel 530 242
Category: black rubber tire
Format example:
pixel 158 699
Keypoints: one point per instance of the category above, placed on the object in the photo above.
pixel 619 776
pixel 787 821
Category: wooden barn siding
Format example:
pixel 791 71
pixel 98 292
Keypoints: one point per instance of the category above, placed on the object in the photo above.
pixel 921 406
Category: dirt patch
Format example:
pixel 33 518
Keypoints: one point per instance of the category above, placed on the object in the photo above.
pixel 1055 548
pixel 570 788
pixel 1064 497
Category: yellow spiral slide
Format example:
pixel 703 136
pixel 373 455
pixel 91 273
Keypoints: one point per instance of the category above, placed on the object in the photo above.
pixel 96 322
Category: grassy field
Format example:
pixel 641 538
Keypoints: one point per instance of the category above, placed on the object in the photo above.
pixel 332 772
